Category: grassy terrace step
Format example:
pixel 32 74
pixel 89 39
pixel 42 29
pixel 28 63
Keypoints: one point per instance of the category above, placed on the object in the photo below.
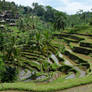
pixel 83 56
pixel 66 58
pixel 35 52
pixel 31 68
pixel 22 65
pixel 68 40
pixel 74 37
pixel 86 38
pixel 72 56
pixel 78 34
pixel 73 64
pixel 58 42
pixel 69 63
pixel 45 53
pixel 33 64
pixel 66 69
pixel 86 44
pixel 33 55
pixel 67 47
pixel 81 29
pixel 82 50
pixel 40 60
pixel 77 59
pixel 32 51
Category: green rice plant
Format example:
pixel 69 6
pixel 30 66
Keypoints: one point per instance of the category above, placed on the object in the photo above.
pixel 62 48
pixel 71 45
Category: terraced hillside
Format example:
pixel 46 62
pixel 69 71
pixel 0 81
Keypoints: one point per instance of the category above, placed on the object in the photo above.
pixel 78 50
pixel 65 59
pixel 69 54
pixel 45 63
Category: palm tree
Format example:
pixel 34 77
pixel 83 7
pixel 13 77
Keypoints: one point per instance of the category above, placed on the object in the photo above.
pixel 3 4
pixel 11 51
pixel 60 21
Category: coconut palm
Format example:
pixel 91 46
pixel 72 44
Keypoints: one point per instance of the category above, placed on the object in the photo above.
pixel 60 21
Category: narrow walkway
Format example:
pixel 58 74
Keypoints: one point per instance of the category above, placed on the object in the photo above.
pixel 84 88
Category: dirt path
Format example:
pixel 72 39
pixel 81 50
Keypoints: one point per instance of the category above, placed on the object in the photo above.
pixel 84 88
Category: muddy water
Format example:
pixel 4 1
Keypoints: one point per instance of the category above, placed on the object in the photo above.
pixel 71 76
pixel 24 75
pixel 49 61
pixel 82 73
pixel 55 59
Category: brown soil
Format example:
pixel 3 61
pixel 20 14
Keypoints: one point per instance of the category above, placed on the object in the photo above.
pixel 84 88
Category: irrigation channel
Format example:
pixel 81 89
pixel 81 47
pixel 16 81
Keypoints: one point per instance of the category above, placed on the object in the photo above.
pixel 26 75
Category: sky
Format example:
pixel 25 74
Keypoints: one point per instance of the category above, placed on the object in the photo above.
pixel 68 6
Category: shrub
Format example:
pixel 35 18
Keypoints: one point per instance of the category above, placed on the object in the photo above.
pixel 2 68
pixel 90 23
pixel 9 75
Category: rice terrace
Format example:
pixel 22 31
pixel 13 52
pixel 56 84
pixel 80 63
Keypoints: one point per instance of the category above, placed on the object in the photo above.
pixel 44 49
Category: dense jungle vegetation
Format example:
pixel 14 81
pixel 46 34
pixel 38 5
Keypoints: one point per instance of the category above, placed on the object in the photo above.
pixel 40 44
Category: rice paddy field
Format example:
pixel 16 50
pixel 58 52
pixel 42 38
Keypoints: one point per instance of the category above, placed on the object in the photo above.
pixel 44 50
pixel 72 66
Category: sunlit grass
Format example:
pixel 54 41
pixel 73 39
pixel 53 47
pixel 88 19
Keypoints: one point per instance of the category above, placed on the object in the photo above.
pixel 58 84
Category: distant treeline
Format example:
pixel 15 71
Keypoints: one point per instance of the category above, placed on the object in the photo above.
pixel 48 14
